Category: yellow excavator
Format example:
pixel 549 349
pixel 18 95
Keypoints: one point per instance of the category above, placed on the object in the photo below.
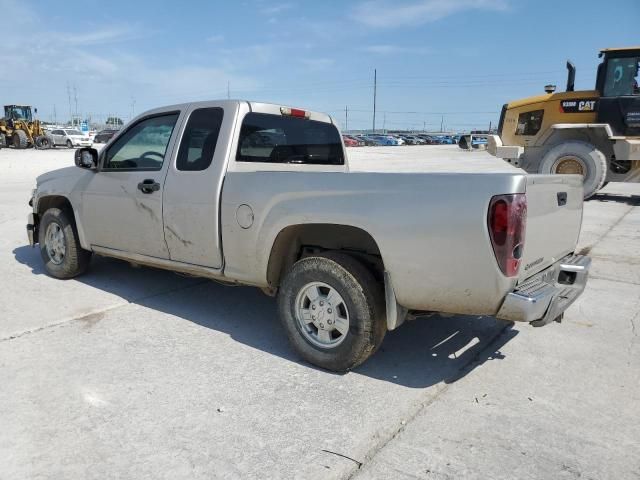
pixel 19 129
pixel 593 133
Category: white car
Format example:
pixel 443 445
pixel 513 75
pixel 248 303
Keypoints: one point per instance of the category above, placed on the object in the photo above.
pixel 71 138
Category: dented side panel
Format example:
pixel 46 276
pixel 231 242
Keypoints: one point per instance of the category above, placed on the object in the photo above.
pixel 117 214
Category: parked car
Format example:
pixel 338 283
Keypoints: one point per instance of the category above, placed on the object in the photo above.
pixel 103 136
pixel 428 139
pixel 444 140
pixel 348 254
pixel 368 142
pixel 349 142
pixel 361 142
pixel 70 137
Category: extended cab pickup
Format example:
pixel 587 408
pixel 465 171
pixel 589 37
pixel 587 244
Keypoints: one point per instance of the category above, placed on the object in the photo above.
pixel 260 194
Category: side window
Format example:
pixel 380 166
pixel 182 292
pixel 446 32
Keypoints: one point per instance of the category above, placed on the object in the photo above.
pixel 143 146
pixel 199 140
pixel 284 139
pixel 529 123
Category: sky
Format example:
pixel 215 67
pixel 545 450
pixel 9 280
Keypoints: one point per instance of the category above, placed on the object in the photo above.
pixel 449 62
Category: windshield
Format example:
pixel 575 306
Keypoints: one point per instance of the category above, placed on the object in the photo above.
pixel 74 132
pixel 18 113
pixel 622 77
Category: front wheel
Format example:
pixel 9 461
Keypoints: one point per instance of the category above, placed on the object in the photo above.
pixel 69 144
pixel 60 248
pixel 332 310
pixel 43 142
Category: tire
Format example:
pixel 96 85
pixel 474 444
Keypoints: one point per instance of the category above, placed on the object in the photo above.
pixel 20 139
pixel 580 155
pixel 69 144
pixel 3 140
pixel 75 260
pixel 43 142
pixel 360 300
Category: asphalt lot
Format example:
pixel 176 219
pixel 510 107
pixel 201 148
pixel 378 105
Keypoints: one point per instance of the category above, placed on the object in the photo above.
pixel 140 373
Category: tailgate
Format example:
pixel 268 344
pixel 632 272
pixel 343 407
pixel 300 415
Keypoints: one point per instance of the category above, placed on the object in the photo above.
pixel 554 216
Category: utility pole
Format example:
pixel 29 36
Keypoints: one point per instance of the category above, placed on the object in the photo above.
pixel 228 89
pixel 424 126
pixel 441 124
pixel 75 97
pixel 55 117
pixel 384 122
pixel 346 118
pixel 375 86
pixel 133 107
pixel 489 126
pixel 69 95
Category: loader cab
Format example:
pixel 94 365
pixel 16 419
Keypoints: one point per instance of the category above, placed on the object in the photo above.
pixel 18 112
pixel 618 82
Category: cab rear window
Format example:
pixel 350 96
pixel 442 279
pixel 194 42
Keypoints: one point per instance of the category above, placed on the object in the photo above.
pixel 282 139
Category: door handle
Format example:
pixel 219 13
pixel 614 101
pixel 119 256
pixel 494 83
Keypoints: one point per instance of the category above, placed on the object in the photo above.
pixel 148 186
pixel 562 199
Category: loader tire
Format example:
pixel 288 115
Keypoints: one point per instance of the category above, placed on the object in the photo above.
pixel 20 139
pixel 44 142
pixel 3 140
pixel 575 157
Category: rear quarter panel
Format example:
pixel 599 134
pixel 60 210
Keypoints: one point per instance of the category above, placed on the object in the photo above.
pixel 430 228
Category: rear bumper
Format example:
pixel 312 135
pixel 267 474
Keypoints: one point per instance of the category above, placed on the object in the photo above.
pixel 545 296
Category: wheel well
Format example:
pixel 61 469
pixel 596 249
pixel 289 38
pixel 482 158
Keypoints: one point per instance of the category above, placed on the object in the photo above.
pixel 596 136
pixel 54 201
pixel 299 241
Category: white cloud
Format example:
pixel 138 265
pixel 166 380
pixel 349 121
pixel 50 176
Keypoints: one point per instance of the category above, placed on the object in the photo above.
pixel 390 14
pixel 108 78
pixel 277 8
pixel 215 39
pixel 317 64
pixel 391 49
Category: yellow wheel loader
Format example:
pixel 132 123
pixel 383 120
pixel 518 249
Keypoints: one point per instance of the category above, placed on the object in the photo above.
pixel 19 129
pixel 593 133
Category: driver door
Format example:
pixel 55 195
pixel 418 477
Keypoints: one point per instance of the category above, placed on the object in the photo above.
pixel 121 206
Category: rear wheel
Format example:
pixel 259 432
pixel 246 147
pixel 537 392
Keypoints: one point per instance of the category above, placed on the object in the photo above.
pixel 20 139
pixel 332 309
pixel 60 248
pixel 578 158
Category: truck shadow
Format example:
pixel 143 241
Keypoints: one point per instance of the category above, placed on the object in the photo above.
pixel 419 354
pixel 633 200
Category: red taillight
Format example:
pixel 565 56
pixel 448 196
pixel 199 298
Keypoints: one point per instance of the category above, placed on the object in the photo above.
pixel 507 220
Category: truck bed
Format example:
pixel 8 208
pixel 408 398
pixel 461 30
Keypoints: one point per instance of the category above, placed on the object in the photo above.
pixel 427 158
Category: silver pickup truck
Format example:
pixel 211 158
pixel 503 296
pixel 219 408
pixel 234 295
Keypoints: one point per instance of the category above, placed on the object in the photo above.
pixel 261 194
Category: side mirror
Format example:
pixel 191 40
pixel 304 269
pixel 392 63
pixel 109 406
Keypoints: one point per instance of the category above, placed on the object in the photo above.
pixel 86 157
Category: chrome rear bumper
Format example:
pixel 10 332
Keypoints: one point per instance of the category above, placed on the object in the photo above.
pixel 545 296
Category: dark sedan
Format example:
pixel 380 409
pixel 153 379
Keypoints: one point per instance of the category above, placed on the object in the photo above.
pixel 103 136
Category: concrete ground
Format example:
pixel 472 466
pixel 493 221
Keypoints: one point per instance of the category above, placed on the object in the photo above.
pixel 140 373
